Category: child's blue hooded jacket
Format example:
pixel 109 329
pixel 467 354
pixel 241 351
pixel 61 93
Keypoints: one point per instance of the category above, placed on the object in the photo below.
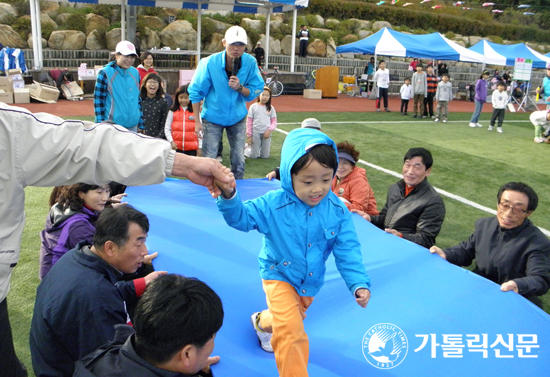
pixel 299 238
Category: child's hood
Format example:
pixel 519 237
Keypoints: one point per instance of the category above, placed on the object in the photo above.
pixel 297 143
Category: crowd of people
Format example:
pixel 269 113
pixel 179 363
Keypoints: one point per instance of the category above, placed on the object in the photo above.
pixel 100 303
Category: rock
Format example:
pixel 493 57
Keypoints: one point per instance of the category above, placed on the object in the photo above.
pixel 276 25
pixel 154 22
pixel 320 20
pixel 67 40
pixel 350 38
pixel 150 39
pixel 380 25
pixel 96 22
pixel 179 34
pixel 112 37
pixel 6 11
pixel 274 45
pixel 95 40
pixel 474 40
pixel 29 42
pixel 347 55
pixel 45 20
pixel 277 17
pixel 62 19
pixel 460 42
pixel 51 8
pixel 331 48
pixel 215 44
pixel 362 34
pixel 362 25
pixel 247 23
pixel 286 45
pixel 9 37
pixel 317 48
pixel 321 30
pixel 331 23
pixel 221 27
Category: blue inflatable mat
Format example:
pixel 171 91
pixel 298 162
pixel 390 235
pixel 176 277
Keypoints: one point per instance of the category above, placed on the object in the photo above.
pixel 426 317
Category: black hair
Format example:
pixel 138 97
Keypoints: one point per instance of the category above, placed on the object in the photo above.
pixel 113 225
pixel 68 196
pixel 381 61
pixel 144 55
pixel 268 103
pixel 524 189
pixel 157 78
pixel 173 312
pixel 445 74
pixel 322 153
pixel 426 155
pixel 184 89
pixel 501 83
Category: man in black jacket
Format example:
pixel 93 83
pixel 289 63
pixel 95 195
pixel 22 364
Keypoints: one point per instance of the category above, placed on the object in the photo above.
pixel 508 249
pixel 413 210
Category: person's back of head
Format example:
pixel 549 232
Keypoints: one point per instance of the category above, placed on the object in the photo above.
pixel 174 315
pixel 114 223
pixel 425 154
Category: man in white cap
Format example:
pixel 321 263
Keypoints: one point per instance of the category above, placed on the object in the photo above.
pixel 116 95
pixel 225 81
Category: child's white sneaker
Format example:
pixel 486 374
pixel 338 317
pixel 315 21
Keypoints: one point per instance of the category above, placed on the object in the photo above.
pixel 473 125
pixel 436 120
pixel 444 120
pixel 499 130
pixel 478 125
pixel 263 337
pixel 490 128
pixel 539 140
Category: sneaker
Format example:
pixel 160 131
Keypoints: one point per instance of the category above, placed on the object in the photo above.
pixel 444 120
pixel 407 114
pixel 414 116
pixel 263 337
pixel 219 159
pixel 499 130
pixel 388 110
pixel 433 117
pixel 490 128
pixel 378 110
pixel 539 140
pixel 473 125
pixel 436 120
pixel 424 117
pixel 478 125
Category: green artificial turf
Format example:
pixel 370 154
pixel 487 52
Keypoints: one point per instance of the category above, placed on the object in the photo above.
pixel 471 163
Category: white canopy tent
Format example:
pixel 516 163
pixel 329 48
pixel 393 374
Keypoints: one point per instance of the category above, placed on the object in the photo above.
pixel 266 7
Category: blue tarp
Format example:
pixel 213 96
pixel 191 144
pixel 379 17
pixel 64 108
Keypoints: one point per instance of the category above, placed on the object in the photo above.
pixel 506 55
pixel 423 310
pixel 388 42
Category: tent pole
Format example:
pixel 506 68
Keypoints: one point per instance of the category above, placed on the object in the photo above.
pixel 36 34
pixel 293 44
pixel 267 34
pixel 199 32
pixel 123 20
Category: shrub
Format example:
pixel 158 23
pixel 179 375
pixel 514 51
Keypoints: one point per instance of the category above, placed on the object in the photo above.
pixel 104 10
pixel 208 28
pixel 450 35
pixel 495 39
pixel 114 25
pixel 152 11
pixel 22 7
pixel 47 30
pixel 23 27
pixel 76 21
pixel 311 21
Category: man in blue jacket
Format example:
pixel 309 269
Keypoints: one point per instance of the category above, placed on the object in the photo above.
pixel 116 95
pixel 544 89
pixel 225 81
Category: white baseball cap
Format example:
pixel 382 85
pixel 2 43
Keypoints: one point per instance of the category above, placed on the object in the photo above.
pixel 126 48
pixel 311 123
pixel 236 34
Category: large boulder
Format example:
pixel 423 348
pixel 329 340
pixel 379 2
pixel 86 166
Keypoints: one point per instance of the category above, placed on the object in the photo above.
pixel 9 37
pixel 362 34
pixel 112 37
pixel 362 24
pixel 276 17
pixel 350 38
pixel 317 48
pixel 331 48
pixel 154 22
pixel 331 23
pixel 96 40
pixel 62 19
pixel 6 11
pixel 276 25
pixel 460 42
pixel 179 34
pixel 274 45
pixel 96 22
pixel 46 20
pixel 150 39
pixel 320 20
pixel 67 40
pixel 380 25
pixel 247 23
pixel 51 8
pixel 29 42
pixel 215 44
pixel 286 45
pixel 221 27
pixel 474 40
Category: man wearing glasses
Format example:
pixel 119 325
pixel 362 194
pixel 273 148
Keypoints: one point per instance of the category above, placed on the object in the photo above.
pixel 225 81
pixel 413 210
pixel 508 249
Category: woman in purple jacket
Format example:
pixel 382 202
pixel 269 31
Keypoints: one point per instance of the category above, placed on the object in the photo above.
pixel 71 219
pixel 480 98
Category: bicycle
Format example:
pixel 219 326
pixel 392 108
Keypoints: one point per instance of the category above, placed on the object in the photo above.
pixel 273 84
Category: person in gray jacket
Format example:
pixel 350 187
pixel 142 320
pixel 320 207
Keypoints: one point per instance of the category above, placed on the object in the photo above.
pixel 443 96
pixel 45 150
pixel 413 210
pixel 508 249
pixel 419 90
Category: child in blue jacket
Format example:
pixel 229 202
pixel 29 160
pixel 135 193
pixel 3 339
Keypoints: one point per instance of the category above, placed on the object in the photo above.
pixel 303 222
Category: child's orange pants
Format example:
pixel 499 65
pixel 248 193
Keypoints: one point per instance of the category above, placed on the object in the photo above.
pixel 285 319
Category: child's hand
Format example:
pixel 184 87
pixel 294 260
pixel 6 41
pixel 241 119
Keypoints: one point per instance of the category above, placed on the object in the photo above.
pixel 267 134
pixel 226 189
pixel 174 145
pixel 249 140
pixel 362 297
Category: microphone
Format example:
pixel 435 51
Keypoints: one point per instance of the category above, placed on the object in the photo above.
pixel 235 68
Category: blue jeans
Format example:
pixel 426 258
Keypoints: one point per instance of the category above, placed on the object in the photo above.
pixel 236 134
pixel 477 112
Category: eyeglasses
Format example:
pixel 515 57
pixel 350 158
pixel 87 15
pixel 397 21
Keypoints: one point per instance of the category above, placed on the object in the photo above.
pixel 515 210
